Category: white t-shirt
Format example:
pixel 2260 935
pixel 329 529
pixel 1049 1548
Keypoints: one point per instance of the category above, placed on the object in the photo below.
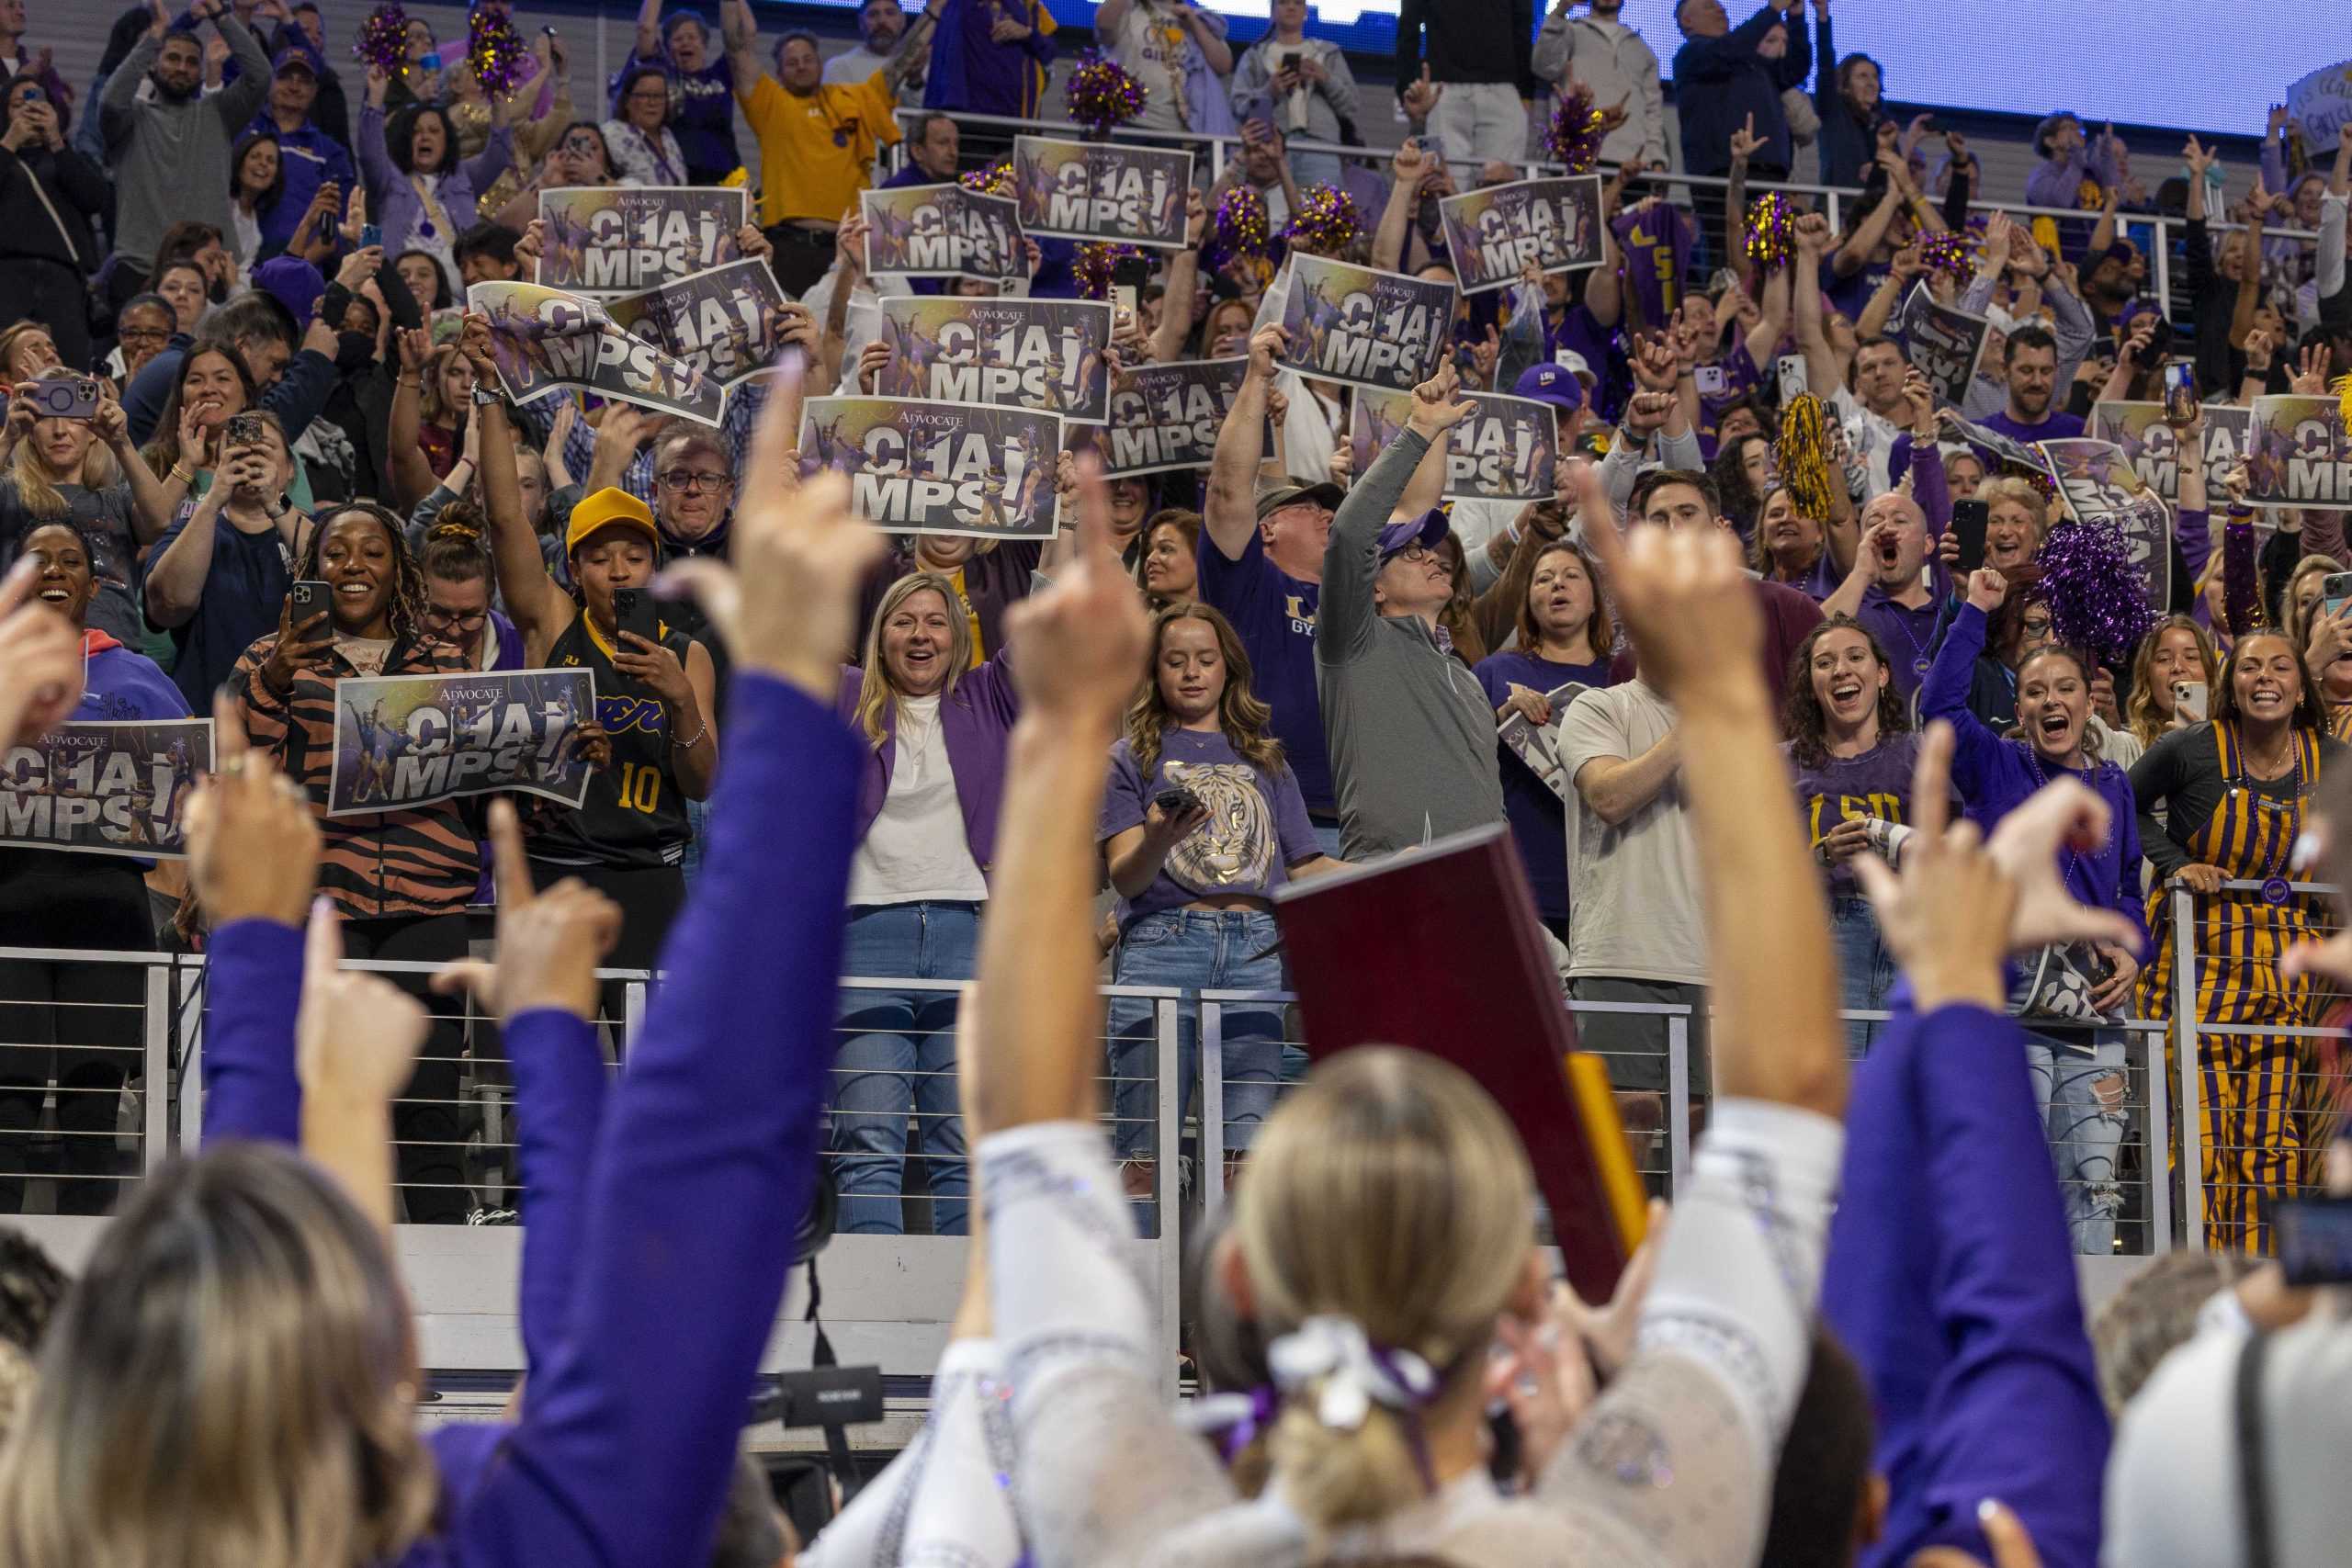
pixel 1634 909
pixel 1141 42
pixel 915 850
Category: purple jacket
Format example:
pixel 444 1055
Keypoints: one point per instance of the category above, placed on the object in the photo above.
pixel 626 1447
pixel 398 212
pixel 977 717
pixel 1951 1276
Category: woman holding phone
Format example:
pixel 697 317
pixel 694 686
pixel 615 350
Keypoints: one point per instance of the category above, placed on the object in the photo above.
pixel 1203 820
pixel 219 576
pixel 399 877
pixel 2172 679
pixel 654 733
pixel 2225 801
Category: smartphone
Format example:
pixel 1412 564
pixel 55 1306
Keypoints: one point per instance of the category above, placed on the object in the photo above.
pixel 1432 146
pixel 1710 380
pixel 2180 392
pixel 1968 519
pixel 2315 1240
pixel 2189 700
pixel 1790 370
pixel 634 611
pixel 243 430
pixel 310 597
pixel 1127 280
pixel 1175 800
pixel 2336 590
pixel 64 397
pixel 1290 61
pixel 370 234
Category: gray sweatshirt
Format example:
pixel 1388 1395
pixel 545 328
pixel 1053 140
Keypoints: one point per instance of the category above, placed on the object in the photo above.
pixel 1410 733
pixel 171 160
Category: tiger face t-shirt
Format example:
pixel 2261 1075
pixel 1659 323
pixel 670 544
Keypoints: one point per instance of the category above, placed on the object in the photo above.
pixel 1257 825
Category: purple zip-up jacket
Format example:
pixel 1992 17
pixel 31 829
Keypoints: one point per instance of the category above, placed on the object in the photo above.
pixel 1993 776
pixel 401 211
pixel 1951 1276
pixel 977 718
pixel 626 1447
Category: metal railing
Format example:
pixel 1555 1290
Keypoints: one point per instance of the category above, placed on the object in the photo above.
pixel 2170 231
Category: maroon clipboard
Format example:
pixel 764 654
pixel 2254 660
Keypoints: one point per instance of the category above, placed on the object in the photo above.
pixel 1439 948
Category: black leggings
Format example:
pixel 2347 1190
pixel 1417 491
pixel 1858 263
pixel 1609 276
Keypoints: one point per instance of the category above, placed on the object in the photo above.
pixel 426 1119
pixel 85 1018
pixel 649 897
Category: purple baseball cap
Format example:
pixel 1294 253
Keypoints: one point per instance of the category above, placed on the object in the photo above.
pixel 1425 530
pixel 1554 384
pixel 293 282
pixel 296 54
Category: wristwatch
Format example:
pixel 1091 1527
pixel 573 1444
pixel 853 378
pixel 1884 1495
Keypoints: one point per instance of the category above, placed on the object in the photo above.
pixel 484 397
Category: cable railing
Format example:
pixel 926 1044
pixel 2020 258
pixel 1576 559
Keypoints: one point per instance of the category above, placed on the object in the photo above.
pixel 2171 231
pixel 2184 1137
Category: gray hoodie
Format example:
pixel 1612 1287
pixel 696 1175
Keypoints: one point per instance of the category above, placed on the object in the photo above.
pixel 171 158
pixel 1410 732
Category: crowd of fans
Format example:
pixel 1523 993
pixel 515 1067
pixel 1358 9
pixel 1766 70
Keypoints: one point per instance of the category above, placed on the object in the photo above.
pixel 911 762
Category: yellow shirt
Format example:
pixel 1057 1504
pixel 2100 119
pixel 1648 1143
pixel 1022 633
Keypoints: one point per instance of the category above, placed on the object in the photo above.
pixel 804 172
pixel 963 598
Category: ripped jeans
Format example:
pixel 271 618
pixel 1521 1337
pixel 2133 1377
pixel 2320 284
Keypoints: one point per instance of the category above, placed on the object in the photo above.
pixel 2081 1096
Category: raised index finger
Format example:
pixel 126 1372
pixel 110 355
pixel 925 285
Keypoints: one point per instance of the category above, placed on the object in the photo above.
pixel 510 868
pixel 1093 507
pixel 1931 781
pixel 775 436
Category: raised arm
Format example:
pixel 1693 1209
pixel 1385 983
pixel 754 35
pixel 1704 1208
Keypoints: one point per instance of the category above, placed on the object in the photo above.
pixel 175 575
pixel 741 33
pixel 253 861
pixel 541 610
pixel 1183 278
pixel 631 1430
pixel 1407 170
pixel 1230 513
pixel 1346 617
pixel 649 32
pixel 1727 1329
pixel 1823 371
pixel 1944 692
pixel 914 47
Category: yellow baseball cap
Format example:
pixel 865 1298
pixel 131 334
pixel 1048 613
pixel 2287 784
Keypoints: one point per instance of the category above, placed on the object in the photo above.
pixel 609 508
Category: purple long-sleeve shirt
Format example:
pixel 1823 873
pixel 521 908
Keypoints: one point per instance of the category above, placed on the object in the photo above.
pixel 626 1447
pixel 1951 1276
pixel 402 209
pixel 976 718
pixel 1994 776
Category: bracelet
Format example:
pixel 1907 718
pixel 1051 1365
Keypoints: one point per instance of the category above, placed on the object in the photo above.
pixel 691 741
pixel 183 473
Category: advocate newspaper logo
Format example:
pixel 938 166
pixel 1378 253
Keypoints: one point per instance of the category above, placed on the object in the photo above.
pixel 1042 354
pixel 1101 190
pixel 402 741
pixel 932 468
pixel 620 238
pixel 1380 330
pixel 106 787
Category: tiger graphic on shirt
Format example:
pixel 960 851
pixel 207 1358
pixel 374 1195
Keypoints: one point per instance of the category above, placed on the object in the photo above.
pixel 1235 848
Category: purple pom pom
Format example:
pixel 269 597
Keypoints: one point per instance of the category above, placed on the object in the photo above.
pixel 2097 596
pixel 1103 94
pixel 383 39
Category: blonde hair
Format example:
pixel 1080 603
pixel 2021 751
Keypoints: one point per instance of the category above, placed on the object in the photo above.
pixel 876 695
pixel 2140 714
pixel 2294 622
pixel 231 1385
pixel 37 482
pixel 1994 489
pixel 1390 1191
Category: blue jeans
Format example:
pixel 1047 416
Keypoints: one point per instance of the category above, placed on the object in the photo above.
pixel 1196 950
pixel 1865 969
pixel 899 1057
pixel 2080 1094
pixel 1326 836
pixel 698 819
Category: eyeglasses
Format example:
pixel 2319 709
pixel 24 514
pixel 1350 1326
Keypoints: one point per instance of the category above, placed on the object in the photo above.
pixel 587 146
pixel 658 96
pixel 693 480
pixel 141 334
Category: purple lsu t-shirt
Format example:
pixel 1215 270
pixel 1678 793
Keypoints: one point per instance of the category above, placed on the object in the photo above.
pixel 1257 827
pixel 1876 783
pixel 1274 614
